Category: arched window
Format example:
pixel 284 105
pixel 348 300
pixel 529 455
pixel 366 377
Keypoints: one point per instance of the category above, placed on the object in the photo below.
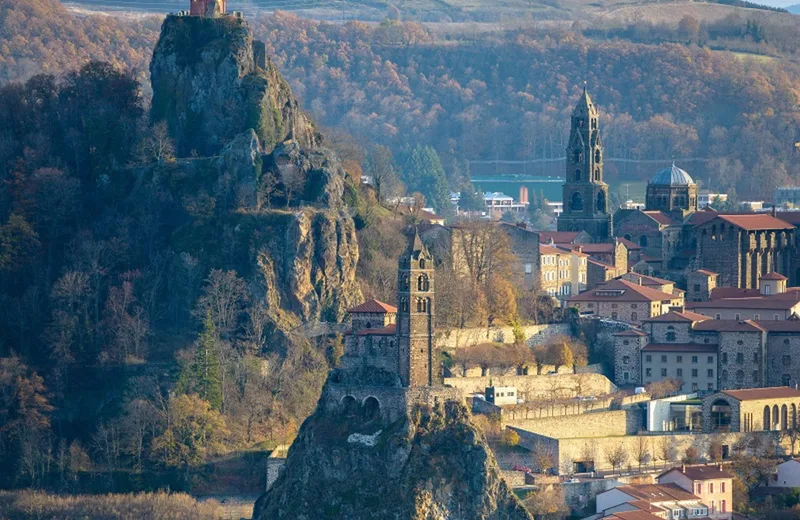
pixel 776 418
pixel 670 333
pixel 578 174
pixel 422 283
pixel 597 156
pixel 720 415
pixel 643 240
pixel 601 202
pixel 577 202
pixel 597 174
pixel 767 419
pixel 403 305
pixel 784 418
pixel 740 376
pixel 422 305
pixel 372 408
pixel 349 405
pixel 422 263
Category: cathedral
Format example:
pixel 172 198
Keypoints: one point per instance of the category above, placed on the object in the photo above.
pixel 585 195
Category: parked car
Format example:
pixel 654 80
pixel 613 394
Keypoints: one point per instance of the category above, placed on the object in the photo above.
pixel 524 469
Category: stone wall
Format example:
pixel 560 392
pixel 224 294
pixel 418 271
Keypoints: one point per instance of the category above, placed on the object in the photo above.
pixel 275 463
pixel 745 371
pixel 532 387
pixel 394 402
pixel 589 425
pixel 449 339
pixel 783 359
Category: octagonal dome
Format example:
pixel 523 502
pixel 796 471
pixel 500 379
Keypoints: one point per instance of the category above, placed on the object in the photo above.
pixel 672 176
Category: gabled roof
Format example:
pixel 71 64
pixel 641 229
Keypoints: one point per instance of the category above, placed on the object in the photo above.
pixel 780 325
pixel 773 276
pixel 680 347
pixel 627 243
pixel 660 217
pixel 657 492
pixel 792 217
pixel 600 264
pixel 677 316
pixel 756 394
pixel 631 332
pixel 632 515
pixel 558 237
pixel 704 472
pixel 782 303
pixel 727 326
pixel 605 248
pixel 374 307
pixel 707 272
pixel 719 293
pixel 389 330
pixel 622 290
pixel 755 221
pixel 652 280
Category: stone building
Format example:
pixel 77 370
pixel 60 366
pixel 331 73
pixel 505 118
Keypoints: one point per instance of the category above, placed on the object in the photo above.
pixel 621 300
pixel 771 301
pixel 712 484
pixel 708 354
pixel 585 195
pixel 700 284
pixel 751 410
pixel 742 248
pixel 672 191
pixel 559 272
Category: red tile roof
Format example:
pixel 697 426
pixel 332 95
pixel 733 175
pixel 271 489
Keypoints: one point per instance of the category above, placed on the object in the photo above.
pixel 622 290
pixel 727 326
pixel 701 217
pixel 660 217
pixel 558 237
pixel 594 248
pixel 792 217
pixel 631 332
pixel 632 515
pixel 389 330
pixel 677 316
pixel 650 258
pixel 601 264
pixel 652 280
pixel 755 221
pixel 755 394
pixel 773 276
pixel 679 347
pixel 707 272
pixel 719 293
pixel 704 472
pixel 373 306
pixel 657 492
pixel 627 243
pixel 763 302
pixel 780 325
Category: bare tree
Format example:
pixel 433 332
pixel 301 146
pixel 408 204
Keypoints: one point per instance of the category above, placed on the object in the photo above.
pixel 544 456
pixel 293 179
pixel 617 456
pixel 666 449
pixel 157 145
pixel 380 167
pixel 267 188
pixel 224 297
pixel 641 451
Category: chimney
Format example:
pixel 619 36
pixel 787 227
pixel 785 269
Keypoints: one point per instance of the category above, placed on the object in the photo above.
pixel 773 210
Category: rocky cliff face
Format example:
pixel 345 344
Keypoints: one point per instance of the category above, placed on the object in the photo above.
pixel 208 87
pixel 243 121
pixel 431 464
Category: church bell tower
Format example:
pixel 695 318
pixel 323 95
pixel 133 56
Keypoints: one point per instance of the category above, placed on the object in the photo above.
pixel 418 361
pixel 585 195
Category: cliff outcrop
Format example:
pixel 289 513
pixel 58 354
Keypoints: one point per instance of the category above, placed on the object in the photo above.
pixel 227 105
pixel 209 88
pixel 431 463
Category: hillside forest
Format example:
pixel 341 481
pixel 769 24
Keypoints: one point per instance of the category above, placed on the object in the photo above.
pixel 720 95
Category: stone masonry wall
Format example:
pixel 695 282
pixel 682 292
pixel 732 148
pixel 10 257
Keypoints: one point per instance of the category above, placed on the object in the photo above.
pixel 745 371
pixel 783 359
pixel 532 387
pixel 593 424
pixel 449 339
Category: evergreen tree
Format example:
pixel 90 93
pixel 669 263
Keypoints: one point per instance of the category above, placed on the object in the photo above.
pixel 471 199
pixel 423 172
pixel 200 375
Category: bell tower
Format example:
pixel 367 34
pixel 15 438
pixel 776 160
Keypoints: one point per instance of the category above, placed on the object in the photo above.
pixel 585 195
pixel 415 317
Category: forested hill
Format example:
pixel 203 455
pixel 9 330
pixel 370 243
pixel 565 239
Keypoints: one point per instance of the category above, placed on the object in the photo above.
pixel 665 92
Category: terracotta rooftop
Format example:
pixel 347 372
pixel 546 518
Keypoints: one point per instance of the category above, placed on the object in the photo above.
pixel 631 332
pixel 569 249
pixel 718 293
pixel 601 264
pixel 632 515
pixel 650 258
pixel 704 472
pixel 773 276
pixel 677 316
pixel 558 237
pixel 644 505
pixel 706 272
pixel 550 250
pixel 762 302
pixel 755 221
pixel 679 347
pixel 373 306
pixel 657 492
pixel 594 248
pixel 660 217
pixel 792 217
pixel 622 290
pixel 389 330
pixel 756 394
pixel 630 245
pixel 727 326
pixel 652 280
pixel 780 325
pixel 701 217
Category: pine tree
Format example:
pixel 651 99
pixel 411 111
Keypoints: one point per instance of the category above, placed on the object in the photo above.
pixel 200 375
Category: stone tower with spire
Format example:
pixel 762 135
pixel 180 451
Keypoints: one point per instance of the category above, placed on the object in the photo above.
pixel 418 361
pixel 585 195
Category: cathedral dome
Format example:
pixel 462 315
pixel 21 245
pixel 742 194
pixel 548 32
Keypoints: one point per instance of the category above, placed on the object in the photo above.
pixel 672 176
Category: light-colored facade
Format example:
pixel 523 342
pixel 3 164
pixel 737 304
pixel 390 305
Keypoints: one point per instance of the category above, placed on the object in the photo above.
pixel 621 300
pixel 711 484
pixel 561 273
pixel 707 198
pixel 501 395
pixel 773 302
pixel 788 475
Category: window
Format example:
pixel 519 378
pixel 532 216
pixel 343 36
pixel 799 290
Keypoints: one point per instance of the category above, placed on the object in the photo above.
pixel 705 340
pixel 710 487
pixel 722 504
pixel 648 372
pixel 694 372
pixel 663 359
pixel 695 388
pixel 711 386
pixel 626 360
pixel 738 316
pixel 679 359
pixel 679 372
pixel 786 379
pixel 634 306
pixel 670 333
pixel 648 358
pixel 756 316
pixel 787 360
pixel 591 305
pixel 722 484
pixel 634 316
pixel 739 342
pixel 775 317
pixel 710 359
pixel 740 358
pixel 724 358
pixel 717 316
pixel 626 342
pixel 613 315
pixel 755 375
pixel 528 268
pixel 625 376
pixel 699 489
pixel 613 305
pixel 710 372
pixel 755 357
pixel 663 372
pixel 694 359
